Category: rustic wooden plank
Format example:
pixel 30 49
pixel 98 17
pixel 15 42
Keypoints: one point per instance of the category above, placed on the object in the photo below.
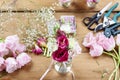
pixel 84 66
pixel 77 5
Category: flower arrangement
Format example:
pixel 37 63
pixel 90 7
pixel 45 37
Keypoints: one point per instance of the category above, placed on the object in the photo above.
pixel 62 31
pixel 12 54
pixel 62 46
pixel 102 45
pixel 67 48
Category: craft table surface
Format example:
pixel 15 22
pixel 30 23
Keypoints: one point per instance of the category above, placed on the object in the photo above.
pixel 84 66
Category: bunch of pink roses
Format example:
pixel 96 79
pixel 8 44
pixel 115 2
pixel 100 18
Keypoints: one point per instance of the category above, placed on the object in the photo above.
pixel 101 44
pixel 64 51
pixel 98 44
pixel 19 58
pixel 61 54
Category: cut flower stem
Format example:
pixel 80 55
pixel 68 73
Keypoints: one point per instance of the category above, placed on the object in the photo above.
pixel 116 59
pixel 110 54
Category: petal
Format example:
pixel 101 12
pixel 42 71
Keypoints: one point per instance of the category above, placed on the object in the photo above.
pixel 96 50
pixel 89 40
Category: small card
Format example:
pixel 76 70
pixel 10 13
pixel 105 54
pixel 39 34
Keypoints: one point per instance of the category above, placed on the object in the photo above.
pixel 68 24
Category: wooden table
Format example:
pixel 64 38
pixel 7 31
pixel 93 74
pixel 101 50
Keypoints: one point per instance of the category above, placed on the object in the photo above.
pixel 84 66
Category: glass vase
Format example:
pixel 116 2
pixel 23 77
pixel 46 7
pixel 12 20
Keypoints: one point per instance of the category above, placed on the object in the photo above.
pixel 63 67
pixel 65 3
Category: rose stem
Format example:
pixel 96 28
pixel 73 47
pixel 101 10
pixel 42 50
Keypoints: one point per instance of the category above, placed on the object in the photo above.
pixel 45 52
pixel 116 53
pixel 110 54
pixel 114 69
pixel 60 66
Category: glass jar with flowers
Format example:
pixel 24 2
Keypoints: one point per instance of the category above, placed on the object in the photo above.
pixel 63 55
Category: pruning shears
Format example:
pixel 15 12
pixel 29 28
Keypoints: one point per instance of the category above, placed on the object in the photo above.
pixel 89 21
pixel 107 21
pixel 112 30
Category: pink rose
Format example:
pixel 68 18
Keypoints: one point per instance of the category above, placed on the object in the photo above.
pixel 37 50
pixel 42 42
pixel 60 55
pixel 2 64
pixel 11 65
pixel 62 42
pixel 107 43
pixel 60 33
pixel 23 59
pixel 3 50
pixel 96 50
pixel 89 40
pixel 12 43
pixel 118 40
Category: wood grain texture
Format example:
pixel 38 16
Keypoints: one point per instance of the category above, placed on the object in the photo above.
pixel 77 5
pixel 84 66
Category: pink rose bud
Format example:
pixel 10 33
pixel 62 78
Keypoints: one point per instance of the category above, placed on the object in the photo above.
pixel 107 43
pixel 118 40
pixel 11 65
pixel 89 40
pixel 37 50
pixel 62 42
pixel 96 50
pixel 42 42
pixel 23 59
pixel 3 50
pixel 2 64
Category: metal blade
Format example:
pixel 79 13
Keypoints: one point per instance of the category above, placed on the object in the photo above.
pixel 105 8
pixel 98 27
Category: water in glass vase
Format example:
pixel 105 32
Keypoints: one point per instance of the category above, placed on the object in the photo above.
pixel 63 67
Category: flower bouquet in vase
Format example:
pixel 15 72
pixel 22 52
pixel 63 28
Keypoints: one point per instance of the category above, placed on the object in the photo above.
pixel 62 46
pixel 67 48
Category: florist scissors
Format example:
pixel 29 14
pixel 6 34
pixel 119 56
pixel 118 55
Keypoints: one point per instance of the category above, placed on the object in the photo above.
pixel 89 21
pixel 107 21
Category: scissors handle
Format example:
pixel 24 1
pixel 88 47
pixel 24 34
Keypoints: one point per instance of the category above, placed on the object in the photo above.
pixel 115 31
pixel 89 21
pixel 116 17
pixel 111 9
